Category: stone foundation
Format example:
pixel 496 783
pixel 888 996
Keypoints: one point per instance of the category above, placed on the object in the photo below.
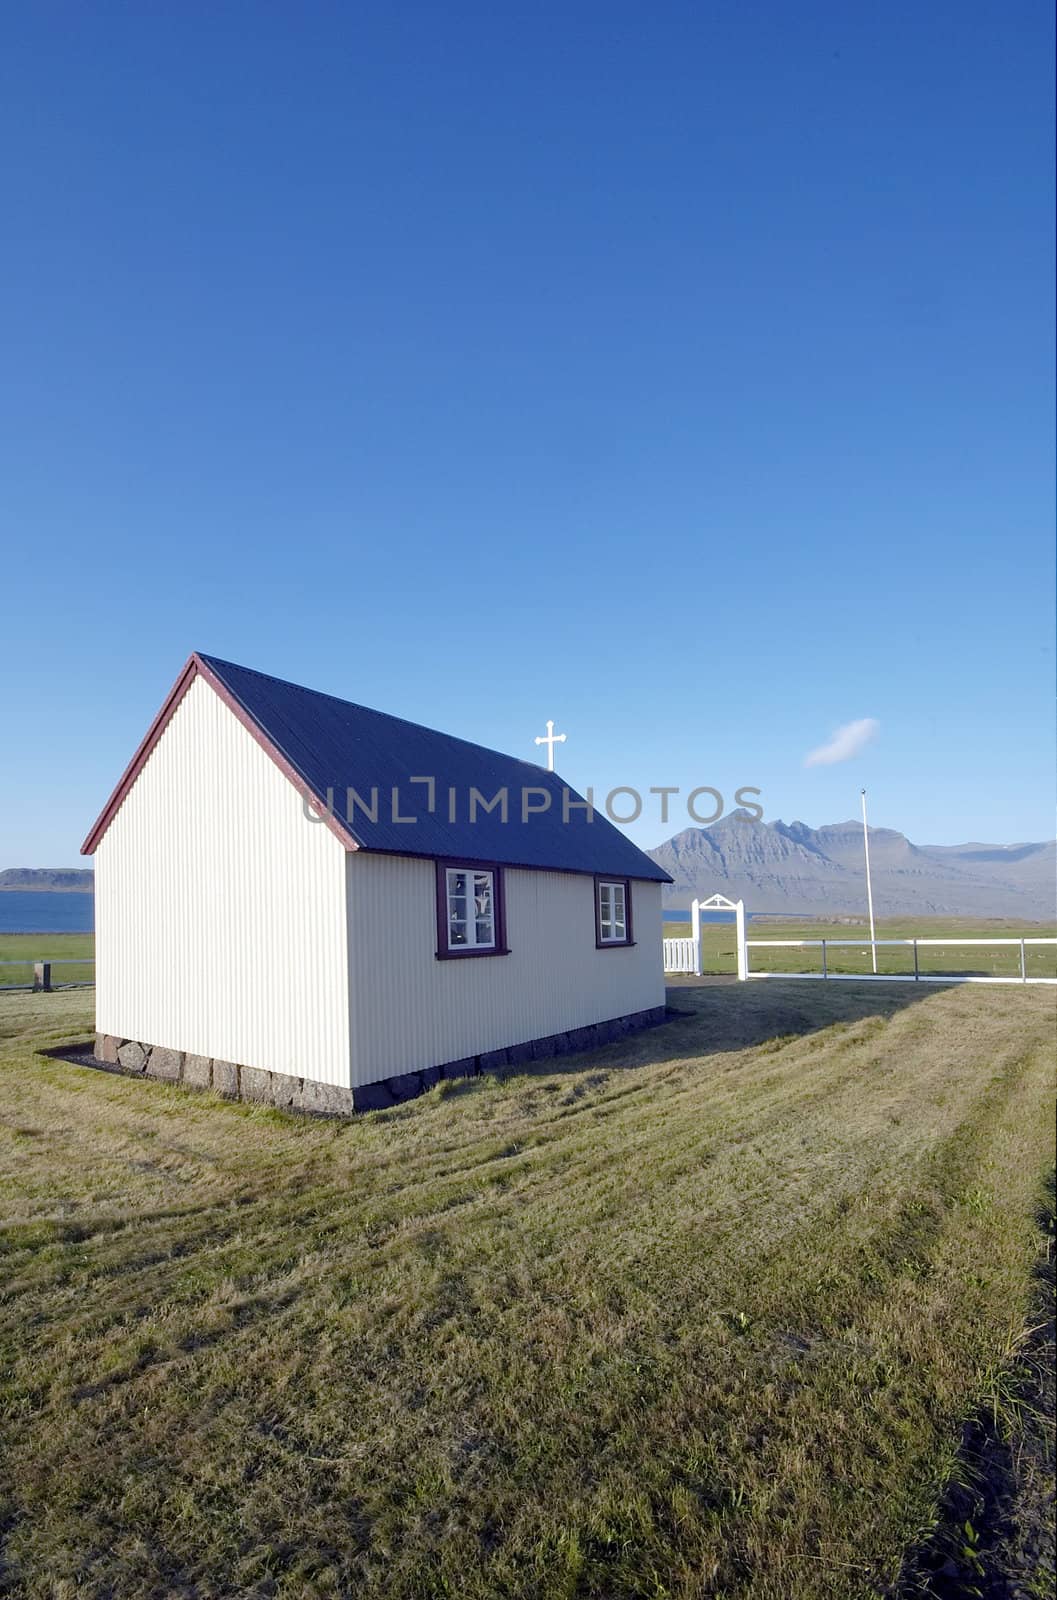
pixel 225 1078
pixel 236 1082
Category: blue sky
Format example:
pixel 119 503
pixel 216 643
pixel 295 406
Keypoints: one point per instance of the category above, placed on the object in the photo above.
pixel 682 373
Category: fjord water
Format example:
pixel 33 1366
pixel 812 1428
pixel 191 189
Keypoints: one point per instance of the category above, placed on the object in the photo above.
pixel 30 911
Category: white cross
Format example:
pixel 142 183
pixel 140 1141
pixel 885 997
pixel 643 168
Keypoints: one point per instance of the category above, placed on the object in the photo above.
pixel 550 741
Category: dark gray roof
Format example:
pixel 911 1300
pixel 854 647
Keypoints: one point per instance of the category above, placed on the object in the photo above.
pixel 334 745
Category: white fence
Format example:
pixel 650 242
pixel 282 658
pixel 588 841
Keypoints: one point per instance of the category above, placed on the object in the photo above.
pixel 915 945
pixel 680 955
pixel 685 955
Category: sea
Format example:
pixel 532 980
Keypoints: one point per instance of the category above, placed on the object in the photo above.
pixel 30 911
pixel 706 916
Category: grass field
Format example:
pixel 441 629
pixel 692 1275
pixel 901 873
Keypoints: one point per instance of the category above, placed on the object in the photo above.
pixel 720 951
pixel 700 1314
pixel 18 952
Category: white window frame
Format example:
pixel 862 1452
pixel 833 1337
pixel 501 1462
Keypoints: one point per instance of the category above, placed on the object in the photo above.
pixel 619 892
pixel 473 943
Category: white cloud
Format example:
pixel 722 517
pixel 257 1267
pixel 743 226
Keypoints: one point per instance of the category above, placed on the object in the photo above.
pixel 845 743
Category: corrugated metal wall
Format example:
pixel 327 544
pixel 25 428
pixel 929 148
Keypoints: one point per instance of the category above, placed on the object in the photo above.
pixel 410 1010
pixel 220 911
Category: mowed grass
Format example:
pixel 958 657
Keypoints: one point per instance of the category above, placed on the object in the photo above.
pixel 987 960
pixel 74 953
pixel 700 1314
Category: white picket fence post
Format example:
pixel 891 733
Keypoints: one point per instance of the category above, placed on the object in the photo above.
pixel 743 949
pixel 695 934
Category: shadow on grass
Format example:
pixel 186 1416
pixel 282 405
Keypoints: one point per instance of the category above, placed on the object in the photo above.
pixel 994 1535
pixel 707 1016
pixel 715 1015
pixel 724 1014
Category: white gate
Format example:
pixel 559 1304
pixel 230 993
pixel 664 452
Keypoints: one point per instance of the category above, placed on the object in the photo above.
pixel 684 955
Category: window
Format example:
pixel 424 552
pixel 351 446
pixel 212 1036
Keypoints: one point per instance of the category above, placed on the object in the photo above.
pixel 612 912
pixel 469 910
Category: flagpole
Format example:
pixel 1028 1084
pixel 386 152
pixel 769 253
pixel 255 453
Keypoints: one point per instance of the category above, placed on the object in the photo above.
pixel 869 887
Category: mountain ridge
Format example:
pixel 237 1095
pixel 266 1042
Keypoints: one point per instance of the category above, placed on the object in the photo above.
pixel 48 880
pixel 791 867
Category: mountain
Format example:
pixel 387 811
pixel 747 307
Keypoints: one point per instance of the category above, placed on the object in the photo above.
pixel 779 866
pixel 51 880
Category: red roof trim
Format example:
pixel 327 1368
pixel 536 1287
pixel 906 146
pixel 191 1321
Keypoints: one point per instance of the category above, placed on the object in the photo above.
pixel 195 667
